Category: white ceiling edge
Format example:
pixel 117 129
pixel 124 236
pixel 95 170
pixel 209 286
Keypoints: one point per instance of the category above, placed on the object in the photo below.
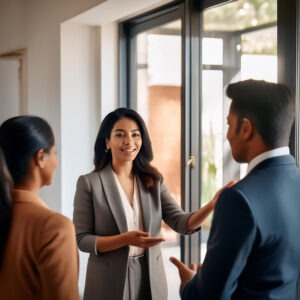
pixel 115 10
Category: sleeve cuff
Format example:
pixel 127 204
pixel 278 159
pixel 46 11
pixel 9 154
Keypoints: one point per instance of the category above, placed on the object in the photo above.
pixel 96 252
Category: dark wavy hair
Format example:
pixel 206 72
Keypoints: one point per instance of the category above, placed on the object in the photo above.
pixel 141 165
pixel 20 138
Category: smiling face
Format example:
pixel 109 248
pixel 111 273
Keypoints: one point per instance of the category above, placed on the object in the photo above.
pixel 125 141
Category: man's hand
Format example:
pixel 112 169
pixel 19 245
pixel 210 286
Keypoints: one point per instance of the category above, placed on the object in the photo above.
pixel 185 273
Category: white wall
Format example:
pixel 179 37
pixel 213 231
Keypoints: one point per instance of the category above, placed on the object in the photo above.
pixel 80 105
pixel 80 111
pixel 109 68
pixel 88 92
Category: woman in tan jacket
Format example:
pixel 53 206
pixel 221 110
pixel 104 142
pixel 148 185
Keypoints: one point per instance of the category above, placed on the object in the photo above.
pixel 38 252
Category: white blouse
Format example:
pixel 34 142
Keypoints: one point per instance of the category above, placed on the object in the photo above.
pixel 133 214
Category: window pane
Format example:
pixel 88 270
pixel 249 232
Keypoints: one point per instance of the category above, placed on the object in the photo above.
pixel 212 51
pixel 247 51
pixel 239 15
pixel 212 141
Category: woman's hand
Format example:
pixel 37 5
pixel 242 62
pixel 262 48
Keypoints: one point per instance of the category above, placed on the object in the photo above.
pixel 141 239
pixel 130 238
pixel 214 200
pixel 201 214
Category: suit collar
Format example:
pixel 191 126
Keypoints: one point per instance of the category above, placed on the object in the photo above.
pixel 280 151
pixel 273 161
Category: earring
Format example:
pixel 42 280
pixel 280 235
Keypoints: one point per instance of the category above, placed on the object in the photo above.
pixel 42 166
pixel 106 150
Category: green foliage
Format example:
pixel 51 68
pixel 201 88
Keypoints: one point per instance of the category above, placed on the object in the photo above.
pixel 240 14
pixel 243 14
pixel 209 169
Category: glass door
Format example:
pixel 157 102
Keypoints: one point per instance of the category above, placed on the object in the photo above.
pixel 239 42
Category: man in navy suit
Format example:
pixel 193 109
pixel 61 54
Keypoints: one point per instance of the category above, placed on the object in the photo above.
pixel 253 250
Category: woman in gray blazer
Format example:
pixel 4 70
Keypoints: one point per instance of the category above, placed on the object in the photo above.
pixel 118 210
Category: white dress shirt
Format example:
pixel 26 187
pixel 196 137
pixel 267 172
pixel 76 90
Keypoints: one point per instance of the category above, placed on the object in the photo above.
pixel 268 154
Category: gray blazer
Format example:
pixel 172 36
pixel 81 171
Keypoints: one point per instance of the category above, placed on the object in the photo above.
pixel 98 211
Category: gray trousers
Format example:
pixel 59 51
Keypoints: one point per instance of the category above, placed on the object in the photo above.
pixel 137 285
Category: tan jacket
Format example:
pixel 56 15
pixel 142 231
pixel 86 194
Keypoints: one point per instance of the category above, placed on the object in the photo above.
pixel 41 256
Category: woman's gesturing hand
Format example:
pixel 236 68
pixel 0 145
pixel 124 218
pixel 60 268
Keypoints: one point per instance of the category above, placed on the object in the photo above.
pixel 142 239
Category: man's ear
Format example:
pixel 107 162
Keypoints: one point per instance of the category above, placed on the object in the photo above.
pixel 40 158
pixel 246 129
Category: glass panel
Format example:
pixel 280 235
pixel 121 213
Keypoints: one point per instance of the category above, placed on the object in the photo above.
pixel 212 51
pixel 239 15
pixel 158 101
pixel 212 142
pixel 247 52
pixel 258 57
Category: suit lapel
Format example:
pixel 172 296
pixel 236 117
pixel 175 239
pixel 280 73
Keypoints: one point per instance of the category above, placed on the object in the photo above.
pixel 113 197
pixel 145 200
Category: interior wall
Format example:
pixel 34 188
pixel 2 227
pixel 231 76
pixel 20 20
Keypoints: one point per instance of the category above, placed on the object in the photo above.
pixel 35 26
pixel 88 92
pixel 80 103
pixel 109 67
pixel 12 25
pixel 9 89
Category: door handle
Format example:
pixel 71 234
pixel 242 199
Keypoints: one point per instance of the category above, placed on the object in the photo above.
pixel 191 161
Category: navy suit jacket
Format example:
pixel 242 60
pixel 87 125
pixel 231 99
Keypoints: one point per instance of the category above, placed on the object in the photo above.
pixel 253 250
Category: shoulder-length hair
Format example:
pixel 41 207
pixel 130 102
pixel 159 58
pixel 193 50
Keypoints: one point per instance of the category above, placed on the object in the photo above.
pixel 5 204
pixel 141 165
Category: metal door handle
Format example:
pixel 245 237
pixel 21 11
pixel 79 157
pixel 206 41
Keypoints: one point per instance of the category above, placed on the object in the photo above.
pixel 192 161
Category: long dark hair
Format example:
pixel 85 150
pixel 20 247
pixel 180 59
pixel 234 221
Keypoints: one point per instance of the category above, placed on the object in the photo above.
pixel 5 203
pixel 141 165
pixel 20 138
